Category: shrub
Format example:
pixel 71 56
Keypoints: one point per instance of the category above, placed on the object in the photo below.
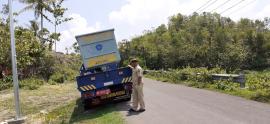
pixel 257 82
pixel 6 83
pixel 62 73
pixel 226 85
pixel 261 95
pixel 57 77
pixel 31 83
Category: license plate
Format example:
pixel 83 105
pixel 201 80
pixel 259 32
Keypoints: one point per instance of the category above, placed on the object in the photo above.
pixel 103 92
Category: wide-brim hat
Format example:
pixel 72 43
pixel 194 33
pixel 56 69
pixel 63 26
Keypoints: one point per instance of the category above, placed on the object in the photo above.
pixel 134 60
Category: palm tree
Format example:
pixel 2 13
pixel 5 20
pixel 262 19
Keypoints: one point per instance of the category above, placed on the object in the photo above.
pixel 34 26
pixel 38 6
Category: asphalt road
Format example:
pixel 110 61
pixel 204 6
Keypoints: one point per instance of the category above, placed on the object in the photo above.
pixel 176 104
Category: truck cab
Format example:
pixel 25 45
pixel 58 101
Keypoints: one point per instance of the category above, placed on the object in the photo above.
pixel 101 79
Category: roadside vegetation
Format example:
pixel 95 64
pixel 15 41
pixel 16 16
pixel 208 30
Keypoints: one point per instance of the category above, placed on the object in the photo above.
pixel 257 82
pixel 48 92
pixel 37 63
pixel 206 43
pixel 187 45
pixel 202 40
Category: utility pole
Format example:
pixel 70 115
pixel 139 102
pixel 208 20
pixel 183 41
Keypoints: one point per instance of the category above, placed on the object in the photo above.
pixel 18 118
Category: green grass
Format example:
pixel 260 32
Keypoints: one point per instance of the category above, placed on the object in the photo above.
pixel 74 113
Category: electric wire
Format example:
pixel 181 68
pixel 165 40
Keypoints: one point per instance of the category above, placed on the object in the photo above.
pixel 208 5
pixel 203 5
pixel 232 6
pixel 220 5
pixel 237 10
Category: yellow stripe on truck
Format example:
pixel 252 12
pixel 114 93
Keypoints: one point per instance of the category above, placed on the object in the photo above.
pixel 89 87
pixel 82 88
pixel 85 87
pixel 123 80
pixel 93 87
pixel 127 79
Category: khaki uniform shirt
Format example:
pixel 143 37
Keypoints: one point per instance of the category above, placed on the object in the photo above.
pixel 136 73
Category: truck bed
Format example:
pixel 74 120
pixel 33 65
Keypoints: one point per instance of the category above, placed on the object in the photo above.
pixel 100 80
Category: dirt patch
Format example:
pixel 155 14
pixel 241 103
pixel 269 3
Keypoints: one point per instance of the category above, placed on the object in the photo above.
pixel 6 94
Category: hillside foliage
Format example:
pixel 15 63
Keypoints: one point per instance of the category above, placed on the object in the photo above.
pixel 202 40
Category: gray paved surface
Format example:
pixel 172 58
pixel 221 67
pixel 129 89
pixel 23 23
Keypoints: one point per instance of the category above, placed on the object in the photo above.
pixel 177 104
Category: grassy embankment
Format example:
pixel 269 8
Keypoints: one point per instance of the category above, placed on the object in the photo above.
pixel 56 104
pixel 257 82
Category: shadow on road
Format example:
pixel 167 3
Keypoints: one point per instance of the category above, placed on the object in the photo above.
pixel 124 107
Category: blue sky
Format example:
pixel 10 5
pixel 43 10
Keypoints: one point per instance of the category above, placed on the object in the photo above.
pixel 131 17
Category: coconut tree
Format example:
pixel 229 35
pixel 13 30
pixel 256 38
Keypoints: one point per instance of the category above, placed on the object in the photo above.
pixel 39 7
pixel 34 26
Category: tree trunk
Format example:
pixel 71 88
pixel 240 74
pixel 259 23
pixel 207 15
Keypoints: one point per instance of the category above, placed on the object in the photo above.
pixel 41 26
pixel 41 22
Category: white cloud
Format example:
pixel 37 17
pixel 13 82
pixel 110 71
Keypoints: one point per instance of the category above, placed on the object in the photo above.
pixel 138 15
pixel 144 10
pixel 78 25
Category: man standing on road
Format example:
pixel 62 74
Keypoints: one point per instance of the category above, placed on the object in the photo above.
pixel 137 91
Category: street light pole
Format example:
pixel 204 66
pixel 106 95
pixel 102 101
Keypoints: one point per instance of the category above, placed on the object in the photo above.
pixel 14 63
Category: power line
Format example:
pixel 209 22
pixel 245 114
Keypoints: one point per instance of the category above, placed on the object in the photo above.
pixel 232 6
pixel 208 5
pixel 203 5
pixel 235 11
pixel 220 5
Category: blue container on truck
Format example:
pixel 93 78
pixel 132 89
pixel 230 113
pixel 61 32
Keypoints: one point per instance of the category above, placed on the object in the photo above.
pixel 101 80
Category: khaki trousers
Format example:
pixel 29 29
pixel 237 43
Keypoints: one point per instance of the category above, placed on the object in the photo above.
pixel 137 96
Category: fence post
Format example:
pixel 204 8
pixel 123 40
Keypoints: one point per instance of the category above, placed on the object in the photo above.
pixel 242 80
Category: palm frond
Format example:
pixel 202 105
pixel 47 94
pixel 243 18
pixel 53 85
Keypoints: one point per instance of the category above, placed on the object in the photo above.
pixel 27 8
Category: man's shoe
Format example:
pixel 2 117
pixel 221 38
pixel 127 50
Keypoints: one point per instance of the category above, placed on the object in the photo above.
pixel 132 110
pixel 141 110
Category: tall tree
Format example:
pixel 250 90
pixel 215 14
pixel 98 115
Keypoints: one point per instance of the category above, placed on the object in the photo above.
pixel 205 40
pixel 58 14
pixel 34 26
pixel 39 6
